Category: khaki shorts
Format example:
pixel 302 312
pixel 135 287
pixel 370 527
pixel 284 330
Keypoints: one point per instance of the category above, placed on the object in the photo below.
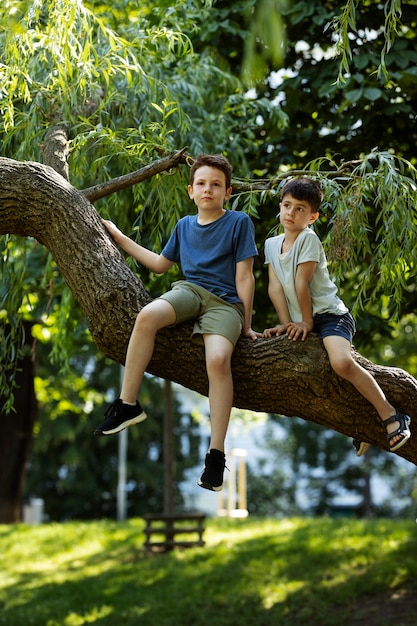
pixel 212 315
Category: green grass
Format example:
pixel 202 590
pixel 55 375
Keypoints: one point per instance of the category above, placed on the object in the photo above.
pixel 260 572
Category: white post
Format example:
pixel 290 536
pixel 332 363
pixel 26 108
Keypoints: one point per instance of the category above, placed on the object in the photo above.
pixel 121 484
pixel 235 485
pixel 231 484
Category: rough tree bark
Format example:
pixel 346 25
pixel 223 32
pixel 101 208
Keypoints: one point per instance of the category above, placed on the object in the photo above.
pixel 272 375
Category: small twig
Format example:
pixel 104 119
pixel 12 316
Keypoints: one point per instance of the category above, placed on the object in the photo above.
pixel 265 185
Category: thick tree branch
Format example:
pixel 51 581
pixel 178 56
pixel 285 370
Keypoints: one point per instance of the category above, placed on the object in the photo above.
pixel 272 375
pixel 123 182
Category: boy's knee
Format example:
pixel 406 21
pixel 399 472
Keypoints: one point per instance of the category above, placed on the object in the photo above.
pixel 155 315
pixel 142 315
pixel 219 362
pixel 145 319
pixel 342 366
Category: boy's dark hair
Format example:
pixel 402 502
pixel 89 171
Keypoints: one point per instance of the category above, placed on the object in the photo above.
pixel 213 160
pixel 304 188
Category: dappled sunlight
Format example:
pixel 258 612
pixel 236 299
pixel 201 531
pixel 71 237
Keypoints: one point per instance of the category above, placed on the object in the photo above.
pixel 75 619
pixel 266 571
pixel 278 594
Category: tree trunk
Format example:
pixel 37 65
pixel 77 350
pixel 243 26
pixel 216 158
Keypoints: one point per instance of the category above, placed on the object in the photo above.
pixel 16 439
pixel 272 375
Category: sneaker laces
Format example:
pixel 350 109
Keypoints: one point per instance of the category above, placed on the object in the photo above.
pixel 111 410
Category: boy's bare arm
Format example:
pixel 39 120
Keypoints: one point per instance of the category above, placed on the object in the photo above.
pixel 245 287
pixel 153 261
pixel 303 277
pixel 277 297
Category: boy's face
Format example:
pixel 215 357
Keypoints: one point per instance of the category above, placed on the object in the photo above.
pixel 295 215
pixel 209 188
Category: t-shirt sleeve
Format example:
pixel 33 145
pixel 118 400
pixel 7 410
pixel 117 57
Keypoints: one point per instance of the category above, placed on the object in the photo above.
pixel 272 249
pixel 267 251
pixel 310 249
pixel 245 240
pixel 171 250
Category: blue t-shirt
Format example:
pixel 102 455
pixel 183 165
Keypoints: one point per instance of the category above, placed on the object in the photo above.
pixel 208 253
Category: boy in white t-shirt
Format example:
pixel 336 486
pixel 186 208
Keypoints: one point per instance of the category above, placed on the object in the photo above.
pixel 305 299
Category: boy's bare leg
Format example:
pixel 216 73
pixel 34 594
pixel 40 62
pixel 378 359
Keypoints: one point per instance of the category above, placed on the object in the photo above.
pixel 342 362
pixel 218 363
pixel 154 316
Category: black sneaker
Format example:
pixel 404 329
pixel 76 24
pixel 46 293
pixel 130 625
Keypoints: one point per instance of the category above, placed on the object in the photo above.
pixel 119 416
pixel 360 446
pixel 212 476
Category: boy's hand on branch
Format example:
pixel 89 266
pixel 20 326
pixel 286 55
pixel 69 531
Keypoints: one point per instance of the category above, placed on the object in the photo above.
pixel 298 330
pixel 251 334
pixel 280 329
pixel 113 231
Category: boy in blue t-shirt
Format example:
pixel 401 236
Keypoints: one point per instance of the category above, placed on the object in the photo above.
pixel 216 250
pixel 305 299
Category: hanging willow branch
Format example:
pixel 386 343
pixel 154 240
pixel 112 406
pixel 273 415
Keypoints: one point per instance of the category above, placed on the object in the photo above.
pixel 346 25
pixel 369 205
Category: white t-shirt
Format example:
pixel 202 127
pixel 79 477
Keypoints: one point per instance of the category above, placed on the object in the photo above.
pixel 307 247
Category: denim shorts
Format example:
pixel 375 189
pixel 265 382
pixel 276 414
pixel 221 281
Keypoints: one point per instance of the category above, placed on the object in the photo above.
pixel 212 315
pixel 331 325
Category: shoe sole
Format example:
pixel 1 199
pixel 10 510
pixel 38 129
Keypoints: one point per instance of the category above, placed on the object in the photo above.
pixel 362 448
pixel 133 420
pixel 209 487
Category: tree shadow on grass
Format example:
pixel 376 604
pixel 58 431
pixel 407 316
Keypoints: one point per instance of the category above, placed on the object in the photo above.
pixel 295 577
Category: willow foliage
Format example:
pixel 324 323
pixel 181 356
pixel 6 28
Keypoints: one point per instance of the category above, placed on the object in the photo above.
pixel 373 225
pixel 347 24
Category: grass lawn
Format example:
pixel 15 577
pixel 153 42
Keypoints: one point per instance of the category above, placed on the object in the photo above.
pixel 252 572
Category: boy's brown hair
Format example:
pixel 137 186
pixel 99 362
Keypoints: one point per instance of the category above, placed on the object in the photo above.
pixel 213 160
pixel 304 188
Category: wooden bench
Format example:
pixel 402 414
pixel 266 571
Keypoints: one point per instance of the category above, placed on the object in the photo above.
pixel 169 526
